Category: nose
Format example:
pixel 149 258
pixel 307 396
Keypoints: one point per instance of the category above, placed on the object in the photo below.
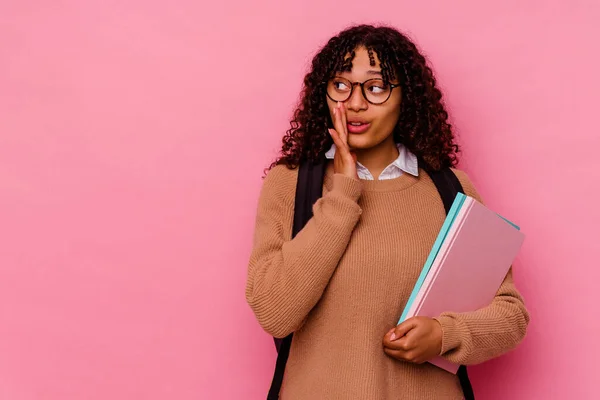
pixel 357 101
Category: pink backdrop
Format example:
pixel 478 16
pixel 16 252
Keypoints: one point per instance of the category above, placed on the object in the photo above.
pixel 132 141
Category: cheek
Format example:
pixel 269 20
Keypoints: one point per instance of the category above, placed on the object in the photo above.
pixel 389 117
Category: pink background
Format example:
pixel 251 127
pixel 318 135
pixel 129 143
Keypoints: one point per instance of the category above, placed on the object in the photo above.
pixel 133 136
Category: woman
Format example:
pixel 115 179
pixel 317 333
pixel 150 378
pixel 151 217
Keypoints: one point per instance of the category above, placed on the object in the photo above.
pixel 370 105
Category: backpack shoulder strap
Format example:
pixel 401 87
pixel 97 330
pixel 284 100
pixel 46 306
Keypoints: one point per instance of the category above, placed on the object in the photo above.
pixel 309 189
pixel 447 185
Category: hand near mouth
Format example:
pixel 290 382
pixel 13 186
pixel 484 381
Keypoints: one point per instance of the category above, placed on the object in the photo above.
pixel 344 161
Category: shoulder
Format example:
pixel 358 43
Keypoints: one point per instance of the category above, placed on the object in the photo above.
pixel 467 184
pixel 281 176
pixel 280 184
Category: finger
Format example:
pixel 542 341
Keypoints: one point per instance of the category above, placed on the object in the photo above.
pixel 405 343
pixel 397 354
pixel 336 138
pixel 409 356
pixel 402 344
pixel 401 355
pixel 341 112
pixel 403 329
pixel 338 123
pixel 389 343
pixel 344 120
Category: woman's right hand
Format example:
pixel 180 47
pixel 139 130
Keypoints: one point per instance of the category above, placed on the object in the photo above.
pixel 344 161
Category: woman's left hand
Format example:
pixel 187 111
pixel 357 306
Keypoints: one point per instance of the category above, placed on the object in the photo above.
pixel 416 340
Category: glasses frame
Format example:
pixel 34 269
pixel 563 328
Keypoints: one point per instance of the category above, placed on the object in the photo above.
pixel 362 89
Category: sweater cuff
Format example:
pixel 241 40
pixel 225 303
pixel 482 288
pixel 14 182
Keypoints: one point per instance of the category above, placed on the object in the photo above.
pixel 450 333
pixel 348 187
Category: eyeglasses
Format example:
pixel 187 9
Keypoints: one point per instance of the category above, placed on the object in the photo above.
pixel 375 91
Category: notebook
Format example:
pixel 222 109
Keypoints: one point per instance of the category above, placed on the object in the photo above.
pixel 467 264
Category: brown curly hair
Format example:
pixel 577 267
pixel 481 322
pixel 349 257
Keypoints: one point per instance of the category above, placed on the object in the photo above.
pixel 423 126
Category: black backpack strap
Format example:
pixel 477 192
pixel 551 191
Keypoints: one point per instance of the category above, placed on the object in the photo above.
pixel 448 186
pixel 309 189
pixel 465 383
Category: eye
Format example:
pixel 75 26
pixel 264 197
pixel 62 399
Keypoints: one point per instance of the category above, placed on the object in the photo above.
pixel 341 85
pixel 377 87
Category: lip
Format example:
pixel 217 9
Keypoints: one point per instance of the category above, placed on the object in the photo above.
pixel 356 129
pixel 356 119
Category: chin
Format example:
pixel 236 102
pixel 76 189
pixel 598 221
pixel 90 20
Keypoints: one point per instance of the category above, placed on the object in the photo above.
pixel 361 142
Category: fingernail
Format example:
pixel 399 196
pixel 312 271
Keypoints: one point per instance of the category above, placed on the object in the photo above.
pixel 393 336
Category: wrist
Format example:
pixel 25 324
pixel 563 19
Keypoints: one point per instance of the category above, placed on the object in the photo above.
pixel 450 333
pixel 438 333
pixel 349 187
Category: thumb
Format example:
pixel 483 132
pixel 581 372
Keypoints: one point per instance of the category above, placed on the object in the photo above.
pixel 403 329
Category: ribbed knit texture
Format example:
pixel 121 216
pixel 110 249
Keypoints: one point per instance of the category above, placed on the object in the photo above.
pixel 343 281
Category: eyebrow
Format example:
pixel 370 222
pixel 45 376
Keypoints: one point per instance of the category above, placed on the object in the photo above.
pixel 373 72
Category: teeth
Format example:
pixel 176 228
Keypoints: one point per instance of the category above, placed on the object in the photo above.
pixel 356 123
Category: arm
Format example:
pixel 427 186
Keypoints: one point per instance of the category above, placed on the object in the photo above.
pixel 286 278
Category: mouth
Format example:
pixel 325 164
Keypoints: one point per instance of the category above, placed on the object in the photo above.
pixel 357 127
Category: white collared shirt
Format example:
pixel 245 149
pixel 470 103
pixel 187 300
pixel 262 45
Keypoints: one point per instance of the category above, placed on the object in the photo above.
pixel 406 162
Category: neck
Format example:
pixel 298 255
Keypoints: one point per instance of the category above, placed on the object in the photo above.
pixel 377 158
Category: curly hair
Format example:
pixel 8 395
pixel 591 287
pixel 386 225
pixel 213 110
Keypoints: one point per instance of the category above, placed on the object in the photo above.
pixel 423 126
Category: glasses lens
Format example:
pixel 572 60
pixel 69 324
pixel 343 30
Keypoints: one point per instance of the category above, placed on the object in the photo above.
pixel 377 91
pixel 339 89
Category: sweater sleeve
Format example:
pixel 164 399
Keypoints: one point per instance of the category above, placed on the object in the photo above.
pixel 287 277
pixel 474 337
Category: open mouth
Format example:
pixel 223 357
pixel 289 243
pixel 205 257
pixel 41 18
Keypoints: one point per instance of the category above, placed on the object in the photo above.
pixel 357 127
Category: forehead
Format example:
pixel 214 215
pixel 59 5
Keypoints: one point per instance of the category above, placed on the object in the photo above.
pixel 365 65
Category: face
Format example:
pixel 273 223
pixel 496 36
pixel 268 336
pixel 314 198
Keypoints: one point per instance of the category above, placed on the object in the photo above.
pixel 369 125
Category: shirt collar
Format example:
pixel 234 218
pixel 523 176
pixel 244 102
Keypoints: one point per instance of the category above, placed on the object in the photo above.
pixel 406 160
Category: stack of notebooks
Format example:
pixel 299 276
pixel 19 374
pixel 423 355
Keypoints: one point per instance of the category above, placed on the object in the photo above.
pixel 467 264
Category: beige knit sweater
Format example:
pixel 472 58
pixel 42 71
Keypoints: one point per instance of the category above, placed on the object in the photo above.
pixel 342 283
